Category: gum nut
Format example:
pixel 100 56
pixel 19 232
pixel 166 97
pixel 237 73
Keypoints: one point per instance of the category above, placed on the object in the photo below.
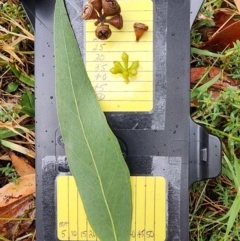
pixel 110 7
pixel 116 21
pixel 140 29
pixel 88 12
pixel 103 32
pixel 97 4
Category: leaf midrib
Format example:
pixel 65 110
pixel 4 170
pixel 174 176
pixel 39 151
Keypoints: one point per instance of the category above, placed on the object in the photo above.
pixel 85 137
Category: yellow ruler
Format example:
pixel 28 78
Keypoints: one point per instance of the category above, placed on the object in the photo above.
pixel 113 93
pixel 148 216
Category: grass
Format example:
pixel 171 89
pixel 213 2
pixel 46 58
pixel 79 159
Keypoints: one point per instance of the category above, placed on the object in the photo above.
pixel 16 78
pixel 214 204
pixel 16 97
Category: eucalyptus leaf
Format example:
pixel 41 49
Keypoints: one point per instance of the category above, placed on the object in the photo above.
pixel 92 150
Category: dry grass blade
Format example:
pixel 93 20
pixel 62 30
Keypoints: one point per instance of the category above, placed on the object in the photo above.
pixel 9 49
pixel 5 58
pixel 26 32
pixel 16 50
pixel 4 30
pixel 14 127
pixel 18 148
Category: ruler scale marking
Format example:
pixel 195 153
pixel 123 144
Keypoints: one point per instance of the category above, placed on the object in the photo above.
pixel 149 207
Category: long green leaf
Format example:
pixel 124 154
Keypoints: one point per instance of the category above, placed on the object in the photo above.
pixel 27 103
pixel 28 80
pixel 233 212
pixel 205 86
pixel 205 53
pixel 93 152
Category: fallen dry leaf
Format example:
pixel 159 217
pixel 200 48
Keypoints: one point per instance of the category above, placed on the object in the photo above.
pixel 223 17
pixel 11 192
pixel 222 20
pixel 20 164
pixel 16 218
pixel 222 83
pixel 224 38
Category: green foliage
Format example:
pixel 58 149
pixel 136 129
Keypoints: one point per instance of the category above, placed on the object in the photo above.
pixel 205 53
pixel 215 204
pixel 196 37
pixel 211 5
pixel 9 172
pixel 197 91
pixel 12 10
pixel 9 112
pixel 28 80
pixel 6 133
pixel 27 103
pixel 206 19
pixel 231 61
pixel 94 156
pixel 220 115
pixel 12 87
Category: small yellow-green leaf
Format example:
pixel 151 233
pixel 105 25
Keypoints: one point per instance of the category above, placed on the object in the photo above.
pixel 132 72
pixel 135 65
pixel 125 60
pixel 93 152
pixel 118 66
pixel 114 70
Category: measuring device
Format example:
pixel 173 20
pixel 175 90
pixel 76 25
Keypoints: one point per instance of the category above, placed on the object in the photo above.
pixel 164 149
pixel 149 210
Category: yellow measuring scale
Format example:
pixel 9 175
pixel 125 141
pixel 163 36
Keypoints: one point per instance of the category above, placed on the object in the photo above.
pixel 148 215
pixel 113 93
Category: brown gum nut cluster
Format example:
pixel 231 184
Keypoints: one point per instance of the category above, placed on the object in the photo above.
pixel 104 11
pixel 108 11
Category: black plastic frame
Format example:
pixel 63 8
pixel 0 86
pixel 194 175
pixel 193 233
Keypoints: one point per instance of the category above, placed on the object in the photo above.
pixel 166 151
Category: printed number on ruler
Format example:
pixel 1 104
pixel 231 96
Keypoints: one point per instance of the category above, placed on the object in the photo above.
pixel 100 69
pixel 149 210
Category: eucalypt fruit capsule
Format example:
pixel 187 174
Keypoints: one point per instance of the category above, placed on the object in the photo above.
pixel 104 11
pixel 125 71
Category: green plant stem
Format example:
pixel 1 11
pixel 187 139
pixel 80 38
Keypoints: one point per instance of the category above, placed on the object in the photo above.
pixel 224 134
